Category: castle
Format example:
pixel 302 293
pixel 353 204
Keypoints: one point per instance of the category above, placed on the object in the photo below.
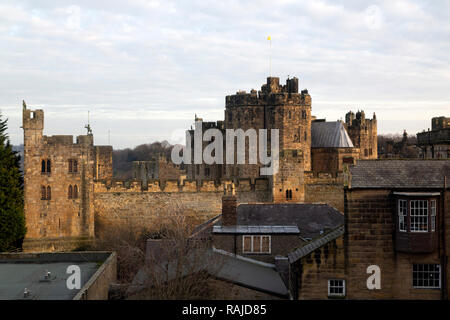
pixel 71 196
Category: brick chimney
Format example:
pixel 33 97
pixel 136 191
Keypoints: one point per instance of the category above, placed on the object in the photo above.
pixel 229 214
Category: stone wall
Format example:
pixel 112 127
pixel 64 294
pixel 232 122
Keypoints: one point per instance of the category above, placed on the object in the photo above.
pixel 370 231
pixel 323 264
pixel 147 206
pixel 325 188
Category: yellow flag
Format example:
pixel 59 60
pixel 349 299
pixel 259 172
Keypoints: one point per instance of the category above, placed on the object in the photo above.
pixel 268 38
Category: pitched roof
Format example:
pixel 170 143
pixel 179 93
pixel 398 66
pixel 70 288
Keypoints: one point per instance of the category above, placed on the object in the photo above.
pixel 329 135
pixel 311 219
pixel 315 244
pixel 421 174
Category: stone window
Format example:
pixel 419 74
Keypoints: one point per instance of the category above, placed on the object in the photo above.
pixel 75 192
pixel 288 194
pixel 46 193
pixel 43 193
pixel 73 165
pixel 49 193
pixel 256 244
pixel 289 115
pixel 70 193
pixel 426 276
pixel 46 166
pixel 366 153
pixel 336 288
pixel 304 114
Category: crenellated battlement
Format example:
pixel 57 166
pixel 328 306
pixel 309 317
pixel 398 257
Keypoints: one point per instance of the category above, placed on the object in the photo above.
pixel 270 94
pixel 176 186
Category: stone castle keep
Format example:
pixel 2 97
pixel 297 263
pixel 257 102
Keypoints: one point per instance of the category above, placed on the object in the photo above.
pixel 71 196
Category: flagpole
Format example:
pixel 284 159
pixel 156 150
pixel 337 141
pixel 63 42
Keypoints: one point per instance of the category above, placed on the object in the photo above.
pixel 270 56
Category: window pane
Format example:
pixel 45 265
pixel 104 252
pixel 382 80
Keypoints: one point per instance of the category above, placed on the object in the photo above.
pixel 256 243
pixel 247 244
pixel 266 244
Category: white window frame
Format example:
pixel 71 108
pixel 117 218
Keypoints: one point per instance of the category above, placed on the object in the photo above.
pixel 427 287
pixel 402 214
pixel 433 214
pixel 417 214
pixel 336 294
pixel 260 244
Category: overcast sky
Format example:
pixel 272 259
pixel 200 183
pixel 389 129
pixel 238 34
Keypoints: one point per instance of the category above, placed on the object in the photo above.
pixel 144 68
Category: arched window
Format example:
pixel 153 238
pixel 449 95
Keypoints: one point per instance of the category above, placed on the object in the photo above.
pixel 70 195
pixel 49 193
pixel 43 166
pixel 290 194
pixel 49 166
pixel 43 193
pixel 75 192
pixel 287 194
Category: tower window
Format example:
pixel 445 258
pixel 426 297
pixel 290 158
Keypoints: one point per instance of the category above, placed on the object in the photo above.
pixel 46 166
pixel 75 192
pixel 46 193
pixel 288 194
pixel 70 193
pixel 73 165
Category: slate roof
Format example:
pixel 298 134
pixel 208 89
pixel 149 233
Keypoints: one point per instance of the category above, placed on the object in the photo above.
pixel 245 272
pixel 311 219
pixel 329 135
pixel 315 244
pixel 420 174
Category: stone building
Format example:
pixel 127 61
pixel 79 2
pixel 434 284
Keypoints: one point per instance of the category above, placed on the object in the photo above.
pixel 59 177
pixel 307 145
pixel 363 133
pixel 263 231
pixel 396 225
pixel 435 144
pixel 70 194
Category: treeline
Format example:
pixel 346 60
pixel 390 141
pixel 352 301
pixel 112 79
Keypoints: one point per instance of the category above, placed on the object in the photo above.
pixel 123 158
pixel 397 146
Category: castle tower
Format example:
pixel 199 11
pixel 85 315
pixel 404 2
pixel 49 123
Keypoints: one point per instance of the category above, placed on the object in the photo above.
pixel 363 133
pixel 58 186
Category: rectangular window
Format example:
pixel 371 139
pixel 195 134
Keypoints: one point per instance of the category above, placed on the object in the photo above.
pixel 419 215
pixel 256 244
pixel 402 214
pixel 336 287
pixel 426 276
pixel 433 215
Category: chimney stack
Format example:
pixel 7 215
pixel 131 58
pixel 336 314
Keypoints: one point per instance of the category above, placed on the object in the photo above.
pixel 229 214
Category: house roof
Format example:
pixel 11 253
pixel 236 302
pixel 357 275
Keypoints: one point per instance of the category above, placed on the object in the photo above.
pixel 420 174
pixel 329 135
pixel 315 244
pixel 311 219
pixel 242 271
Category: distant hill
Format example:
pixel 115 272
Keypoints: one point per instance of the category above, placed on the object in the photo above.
pixel 123 158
